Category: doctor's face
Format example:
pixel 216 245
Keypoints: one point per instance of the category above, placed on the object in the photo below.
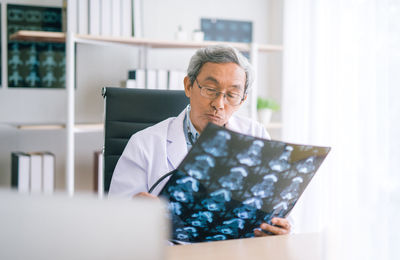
pixel 216 94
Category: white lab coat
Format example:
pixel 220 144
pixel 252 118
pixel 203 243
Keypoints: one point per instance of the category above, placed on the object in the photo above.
pixel 159 149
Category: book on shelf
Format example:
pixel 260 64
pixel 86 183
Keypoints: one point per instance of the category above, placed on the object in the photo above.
pixel 137 18
pixel 126 18
pixel 33 172
pixel 72 7
pixel 20 171
pixel 98 179
pixel 131 81
pixel 151 79
pixel 94 17
pixel 229 183
pixel 155 79
pixel 105 17
pixel 83 17
pixel 64 15
pixel 48 172
pixel 116 14
pixel 175 79
pixel 162 79
pixel 140 78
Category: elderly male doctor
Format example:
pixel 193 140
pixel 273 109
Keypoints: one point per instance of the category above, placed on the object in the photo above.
pixel 217 82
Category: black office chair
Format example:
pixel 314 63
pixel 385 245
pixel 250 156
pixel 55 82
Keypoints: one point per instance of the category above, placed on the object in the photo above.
pixel 128 111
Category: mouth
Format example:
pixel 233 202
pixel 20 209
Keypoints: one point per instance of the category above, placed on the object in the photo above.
pixel 212 117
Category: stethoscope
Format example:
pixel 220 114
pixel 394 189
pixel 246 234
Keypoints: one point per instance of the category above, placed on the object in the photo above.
pixel 191 138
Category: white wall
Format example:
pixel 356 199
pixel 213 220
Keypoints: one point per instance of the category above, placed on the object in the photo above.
pixel 271 88
pixel 99 66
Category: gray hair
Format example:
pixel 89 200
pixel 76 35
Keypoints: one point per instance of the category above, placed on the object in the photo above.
pixel 219 54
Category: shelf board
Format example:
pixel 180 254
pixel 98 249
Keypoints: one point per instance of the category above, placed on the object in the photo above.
pixel 39 36
pixel 87 128
pixel 40 126
pixel 79 128
pixel 59 37
pixel 94 127
pixel 175 44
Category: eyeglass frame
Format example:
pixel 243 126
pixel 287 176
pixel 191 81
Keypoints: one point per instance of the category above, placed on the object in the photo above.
pixel 218 93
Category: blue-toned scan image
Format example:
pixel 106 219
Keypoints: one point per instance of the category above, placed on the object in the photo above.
pixel 229 183
pixel 34 64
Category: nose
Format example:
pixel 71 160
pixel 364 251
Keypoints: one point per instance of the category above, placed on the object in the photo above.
pixel 219 102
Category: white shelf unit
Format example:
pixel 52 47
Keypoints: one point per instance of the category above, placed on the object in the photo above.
pixel 71 39
pixel 60 37
pixel 78 128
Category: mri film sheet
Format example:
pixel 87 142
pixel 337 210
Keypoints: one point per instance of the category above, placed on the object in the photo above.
pixel 229 183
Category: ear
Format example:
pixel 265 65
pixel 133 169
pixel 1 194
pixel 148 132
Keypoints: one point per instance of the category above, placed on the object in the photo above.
pixel 188 86
pixel 245 97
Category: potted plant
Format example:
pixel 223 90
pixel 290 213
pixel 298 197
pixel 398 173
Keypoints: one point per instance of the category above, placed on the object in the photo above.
pixel 264 109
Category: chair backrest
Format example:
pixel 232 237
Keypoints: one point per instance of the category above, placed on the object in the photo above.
pixel 128 111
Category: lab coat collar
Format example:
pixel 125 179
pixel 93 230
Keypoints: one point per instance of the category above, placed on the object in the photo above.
pixel 233 124
pixel 177 147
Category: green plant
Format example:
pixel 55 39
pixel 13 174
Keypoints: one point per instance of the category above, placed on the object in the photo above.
pixel 263 103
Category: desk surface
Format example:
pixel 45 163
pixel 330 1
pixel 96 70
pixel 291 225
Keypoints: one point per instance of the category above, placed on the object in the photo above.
pixel 295 246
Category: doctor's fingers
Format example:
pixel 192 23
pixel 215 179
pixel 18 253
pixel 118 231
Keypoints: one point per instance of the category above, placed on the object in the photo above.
pixel 281 222
pixel 145 195
pixel 276 230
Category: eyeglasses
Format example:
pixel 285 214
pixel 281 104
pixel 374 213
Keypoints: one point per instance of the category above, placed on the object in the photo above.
pixel 230 98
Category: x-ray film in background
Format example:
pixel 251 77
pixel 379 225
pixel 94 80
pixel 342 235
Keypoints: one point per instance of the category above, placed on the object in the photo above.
pixel 229 183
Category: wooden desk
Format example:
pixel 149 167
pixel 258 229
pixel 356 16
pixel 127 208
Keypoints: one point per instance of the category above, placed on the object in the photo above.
pixel 295 246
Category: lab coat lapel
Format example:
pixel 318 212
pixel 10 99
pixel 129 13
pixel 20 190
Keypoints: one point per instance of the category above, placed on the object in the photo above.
pixel 233 124
pixel 177 147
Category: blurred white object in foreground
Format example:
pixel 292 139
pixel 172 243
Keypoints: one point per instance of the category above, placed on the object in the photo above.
pixel 81 227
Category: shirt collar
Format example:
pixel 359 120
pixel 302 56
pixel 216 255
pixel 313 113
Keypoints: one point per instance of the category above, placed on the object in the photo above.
pixel 189 129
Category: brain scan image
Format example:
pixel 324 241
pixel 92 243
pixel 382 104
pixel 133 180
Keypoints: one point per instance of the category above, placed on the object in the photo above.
pixel 282 163
pixel 34 16
pixel 222 194
pixel 38 68
pixel 266 187
pixel 279 209
pixel 180 195
pixel 216 237
pixel 217 200
pixel 292 191
pixel 245 212
pixel 234 180
pixel 229 184
pixel 231 227
pixel 189 181
pixel 200 167
pixel 186 233
pixel 225 230
pixel 201 218
pixel 290 174
pixel 213 204
pixel 254 202
pixel 175 207
pixel 252 156
pixel 307 166
pixel 182 191
pixel 217 146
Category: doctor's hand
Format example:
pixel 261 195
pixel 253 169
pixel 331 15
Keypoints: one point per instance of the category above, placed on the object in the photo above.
pixel 281 226
pixel 145 195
